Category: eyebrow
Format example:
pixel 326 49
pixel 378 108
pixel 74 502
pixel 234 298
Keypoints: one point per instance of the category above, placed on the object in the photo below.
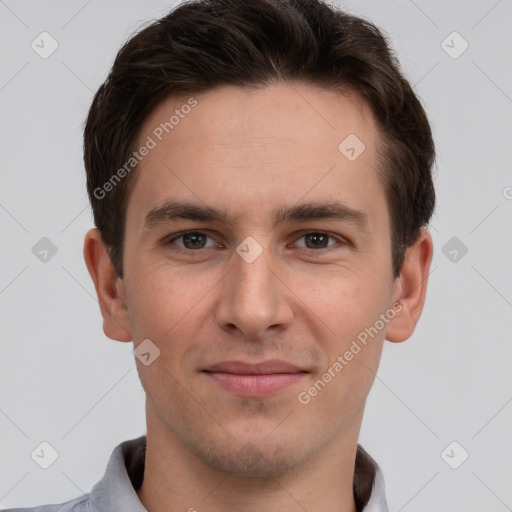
pixel 174 210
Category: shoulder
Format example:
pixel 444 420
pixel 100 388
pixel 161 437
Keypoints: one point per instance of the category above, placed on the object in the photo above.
pixel 80 504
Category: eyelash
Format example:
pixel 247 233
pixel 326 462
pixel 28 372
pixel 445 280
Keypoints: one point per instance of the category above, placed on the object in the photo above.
pixel 327 249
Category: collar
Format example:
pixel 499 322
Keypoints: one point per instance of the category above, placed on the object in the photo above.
pixel 125 472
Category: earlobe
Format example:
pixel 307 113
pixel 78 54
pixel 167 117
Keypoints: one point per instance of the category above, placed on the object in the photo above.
pixel 410 288
pixel 109 288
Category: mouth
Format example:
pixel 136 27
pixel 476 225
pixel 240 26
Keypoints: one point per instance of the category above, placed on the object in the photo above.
pixel 255 380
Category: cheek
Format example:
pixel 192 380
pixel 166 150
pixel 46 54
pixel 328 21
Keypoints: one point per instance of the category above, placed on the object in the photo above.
pixel 348 311
pixel 163 300
pixel 339 301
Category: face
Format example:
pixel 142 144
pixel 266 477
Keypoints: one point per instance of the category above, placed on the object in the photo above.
pixel 282 254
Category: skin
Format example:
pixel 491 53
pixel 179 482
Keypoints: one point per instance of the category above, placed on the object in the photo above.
pixel 249 152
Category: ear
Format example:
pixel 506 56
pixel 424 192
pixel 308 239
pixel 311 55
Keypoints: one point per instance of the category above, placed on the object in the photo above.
pixel 410 288
pixel 109 288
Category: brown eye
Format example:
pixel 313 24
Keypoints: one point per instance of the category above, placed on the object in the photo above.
pixel 194 240
pixel 315 240
pixel 191 240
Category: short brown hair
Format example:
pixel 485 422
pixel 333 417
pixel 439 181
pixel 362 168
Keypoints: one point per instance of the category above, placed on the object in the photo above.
pixel 202 44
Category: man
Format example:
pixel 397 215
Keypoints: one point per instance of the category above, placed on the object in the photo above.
pixel 260 177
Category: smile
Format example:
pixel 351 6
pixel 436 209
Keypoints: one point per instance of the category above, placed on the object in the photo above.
pixel 256 380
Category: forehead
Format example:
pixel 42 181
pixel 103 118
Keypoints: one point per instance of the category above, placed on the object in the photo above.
pixel 253 150
pixel 289 113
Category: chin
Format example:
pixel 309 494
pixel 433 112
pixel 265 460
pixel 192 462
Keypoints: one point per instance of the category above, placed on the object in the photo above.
pixel 262 459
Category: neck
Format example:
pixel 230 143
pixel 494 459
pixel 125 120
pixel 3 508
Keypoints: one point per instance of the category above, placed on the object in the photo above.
pixel 175 480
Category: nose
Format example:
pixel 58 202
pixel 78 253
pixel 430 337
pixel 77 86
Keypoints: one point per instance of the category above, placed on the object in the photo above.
pixel 254 298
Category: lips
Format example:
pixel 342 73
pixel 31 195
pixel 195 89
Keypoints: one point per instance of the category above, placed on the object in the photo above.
pixel 255 379
pixel 264 368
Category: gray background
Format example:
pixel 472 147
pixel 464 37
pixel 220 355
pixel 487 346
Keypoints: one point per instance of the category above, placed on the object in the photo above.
pixel 62 381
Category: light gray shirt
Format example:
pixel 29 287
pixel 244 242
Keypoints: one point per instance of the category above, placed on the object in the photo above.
pixel 116 491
